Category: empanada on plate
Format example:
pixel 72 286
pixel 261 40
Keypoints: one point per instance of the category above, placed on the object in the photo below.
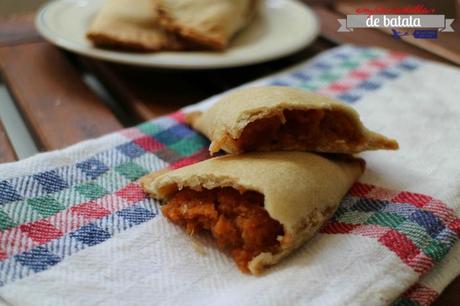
pixel 277 118
pixel 259 206
pixel 211 23
pixel 132 25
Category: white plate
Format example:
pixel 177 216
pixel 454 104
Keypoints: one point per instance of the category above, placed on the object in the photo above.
pixel 281 28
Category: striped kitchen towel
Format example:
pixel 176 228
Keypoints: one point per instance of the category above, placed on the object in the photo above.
pixel 76 228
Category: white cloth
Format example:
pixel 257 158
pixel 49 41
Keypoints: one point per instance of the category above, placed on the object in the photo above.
pixel 155 263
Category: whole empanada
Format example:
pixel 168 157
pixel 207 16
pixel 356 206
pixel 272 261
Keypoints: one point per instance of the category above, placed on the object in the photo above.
pixel 285 118
pixel 211 23
pixel 133 25
pixel 259 207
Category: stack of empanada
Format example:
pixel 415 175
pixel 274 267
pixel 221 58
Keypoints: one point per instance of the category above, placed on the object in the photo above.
pixel 154 25
pixel 262 205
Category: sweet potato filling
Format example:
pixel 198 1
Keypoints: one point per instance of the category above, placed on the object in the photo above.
pixel 305 129
pixel 238 222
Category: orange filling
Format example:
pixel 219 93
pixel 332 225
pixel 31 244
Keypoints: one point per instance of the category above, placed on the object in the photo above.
pixel 306 129
pixel 238 222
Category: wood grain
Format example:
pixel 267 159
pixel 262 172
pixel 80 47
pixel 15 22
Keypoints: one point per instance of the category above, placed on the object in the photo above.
pixel 18 29
pixel 225 79
pixel 147 93
pixel 58 107
pixel 7 153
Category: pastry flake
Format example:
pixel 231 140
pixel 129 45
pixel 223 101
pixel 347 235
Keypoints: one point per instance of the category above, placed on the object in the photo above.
pixel 133 25
pixel 211 23
pixel 285 118
pixel 259 207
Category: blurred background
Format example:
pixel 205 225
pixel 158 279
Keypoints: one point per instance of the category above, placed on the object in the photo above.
pixel 449 7
pixel 8 7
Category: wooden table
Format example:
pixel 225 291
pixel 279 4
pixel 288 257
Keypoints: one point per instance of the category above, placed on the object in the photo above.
pixel 60 109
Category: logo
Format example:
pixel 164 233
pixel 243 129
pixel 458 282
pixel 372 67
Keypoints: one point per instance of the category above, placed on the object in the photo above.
pixel 417 21
pixel 397 35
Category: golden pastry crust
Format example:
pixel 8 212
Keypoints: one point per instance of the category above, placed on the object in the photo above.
pixel 301 190
pixel 211 23
pixel 225 122
pixel 131 25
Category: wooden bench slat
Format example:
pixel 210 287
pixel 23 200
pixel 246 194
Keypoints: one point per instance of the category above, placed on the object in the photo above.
pixel 147 93
pixel 57 105
pixel 229 78
pixel 18 29
pixel 7 153
pixel 365 37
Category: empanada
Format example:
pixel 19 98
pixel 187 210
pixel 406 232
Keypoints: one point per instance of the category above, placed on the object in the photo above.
pixel 210 23
pixel 258 206
pixel 131 24
pixel 285 118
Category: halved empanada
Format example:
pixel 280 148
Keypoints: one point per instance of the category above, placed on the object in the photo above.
pixel 131 24
pixel 258 206
pixel 285 118
pixel 210 23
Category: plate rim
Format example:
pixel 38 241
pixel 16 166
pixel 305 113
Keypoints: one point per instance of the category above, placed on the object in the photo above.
pixel 118 56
